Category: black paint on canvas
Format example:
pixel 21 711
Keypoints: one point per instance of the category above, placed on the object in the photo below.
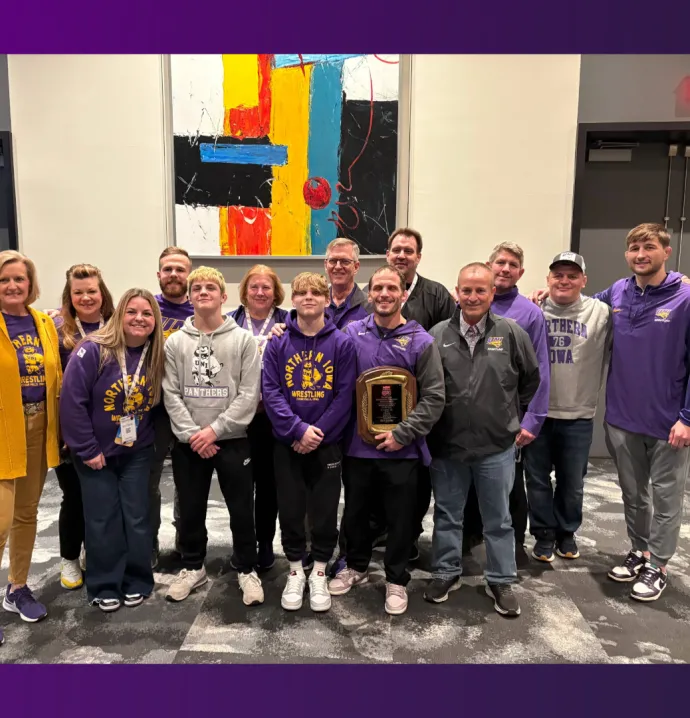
pixel 218 184
pixel 374 175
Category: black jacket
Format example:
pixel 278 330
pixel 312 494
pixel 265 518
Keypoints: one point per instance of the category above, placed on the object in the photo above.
pixel 429 303
pixel 484 392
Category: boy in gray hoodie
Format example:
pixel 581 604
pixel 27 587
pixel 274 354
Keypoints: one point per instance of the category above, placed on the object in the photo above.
pixel 211 392
pixel 579 332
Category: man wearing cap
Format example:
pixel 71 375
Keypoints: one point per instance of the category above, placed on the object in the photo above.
pixel 579 334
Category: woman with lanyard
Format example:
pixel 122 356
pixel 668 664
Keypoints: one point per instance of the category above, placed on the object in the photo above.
pixel 261 295
pixel 86 306
pixel 30 378
pixel 111 382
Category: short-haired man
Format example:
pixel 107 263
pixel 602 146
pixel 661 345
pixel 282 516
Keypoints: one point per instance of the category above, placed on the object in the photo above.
pixel 347 302
pixel 507 263
pixel 386 338
pixel 579 330
pixel 647 418
pixel 174 266
pixel 211 391
pixel 428 303
pixel 307 387
pixel 491 370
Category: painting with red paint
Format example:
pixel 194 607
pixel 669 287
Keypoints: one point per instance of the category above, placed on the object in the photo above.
pixel 276 155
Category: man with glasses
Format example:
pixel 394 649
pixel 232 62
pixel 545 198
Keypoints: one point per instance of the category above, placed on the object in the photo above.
pixel 347 301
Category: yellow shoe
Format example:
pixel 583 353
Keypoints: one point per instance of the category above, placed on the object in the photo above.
pixel 70 575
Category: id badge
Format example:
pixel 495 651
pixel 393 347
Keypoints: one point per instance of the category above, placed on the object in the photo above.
pixel 127 431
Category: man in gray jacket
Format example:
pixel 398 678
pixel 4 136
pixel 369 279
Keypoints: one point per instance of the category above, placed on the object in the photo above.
pixel 211 391
pixel 579 330
pixel 490 370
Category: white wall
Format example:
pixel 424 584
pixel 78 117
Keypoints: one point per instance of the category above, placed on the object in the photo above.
pixel 492 158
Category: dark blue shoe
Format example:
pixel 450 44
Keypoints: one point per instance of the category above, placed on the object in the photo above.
pixel 307 562
pixel 266 558
pixel 337 566
pixel 22 601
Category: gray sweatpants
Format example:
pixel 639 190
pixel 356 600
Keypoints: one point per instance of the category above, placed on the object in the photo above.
pixel 652 476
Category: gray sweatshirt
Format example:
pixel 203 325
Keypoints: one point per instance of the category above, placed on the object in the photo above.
pixel 579 348
pixel 211 380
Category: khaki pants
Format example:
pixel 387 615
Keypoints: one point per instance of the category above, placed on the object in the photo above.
pixel 19 502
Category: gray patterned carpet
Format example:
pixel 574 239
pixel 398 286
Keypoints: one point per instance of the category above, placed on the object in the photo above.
pixel 570 611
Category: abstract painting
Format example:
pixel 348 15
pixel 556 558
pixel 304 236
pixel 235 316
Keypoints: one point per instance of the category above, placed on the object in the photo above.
pixel 276 155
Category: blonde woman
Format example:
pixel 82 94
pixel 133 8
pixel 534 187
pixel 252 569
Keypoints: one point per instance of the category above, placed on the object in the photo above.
pixel 86 306
pixel 30 379
pixel 111 383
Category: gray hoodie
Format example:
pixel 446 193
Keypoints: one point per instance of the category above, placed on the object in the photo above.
pixel 211 380
pixel 579 348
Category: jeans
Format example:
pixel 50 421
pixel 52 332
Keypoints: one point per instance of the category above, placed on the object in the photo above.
pixel 493 479
pixel 562 445
pixel 116 516
pixel 192 476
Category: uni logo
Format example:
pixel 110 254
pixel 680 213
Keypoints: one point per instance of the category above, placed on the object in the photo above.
pixel 495 343
pixel 663 314
pixel 403 341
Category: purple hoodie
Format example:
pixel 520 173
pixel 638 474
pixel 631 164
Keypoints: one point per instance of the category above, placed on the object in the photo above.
pixel 647 388
pixel 91 404
pixel 65 354
pixel 308 381
pixel 174 315
pixel 528 316
pixel 408 346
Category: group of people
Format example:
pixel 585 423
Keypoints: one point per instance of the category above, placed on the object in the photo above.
pixel 506 392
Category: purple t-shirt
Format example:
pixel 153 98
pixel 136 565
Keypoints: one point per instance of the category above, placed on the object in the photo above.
pixel 174 315
pixel 32 375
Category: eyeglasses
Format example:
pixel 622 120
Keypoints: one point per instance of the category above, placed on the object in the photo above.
pixel 344 263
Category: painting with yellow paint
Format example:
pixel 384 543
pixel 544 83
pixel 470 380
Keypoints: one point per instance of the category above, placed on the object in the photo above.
pixel 276 155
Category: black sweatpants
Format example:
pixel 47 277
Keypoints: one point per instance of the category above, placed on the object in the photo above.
pixel 192 476
pixel 308 486
pixel 163 441
pixel 395 480
pixel 71 517
pixel 261 446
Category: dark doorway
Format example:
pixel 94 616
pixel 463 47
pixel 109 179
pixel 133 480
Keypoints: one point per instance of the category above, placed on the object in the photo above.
pixel 8 224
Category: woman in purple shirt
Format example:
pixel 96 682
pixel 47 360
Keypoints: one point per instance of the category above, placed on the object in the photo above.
pixel 86 306
pixel 111 382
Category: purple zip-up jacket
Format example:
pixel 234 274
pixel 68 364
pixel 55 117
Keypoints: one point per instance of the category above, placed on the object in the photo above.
pixel 408 346
pixel 528 316
pixel 351 310
pixel 308 381
pixel 647 388
pixel 91 404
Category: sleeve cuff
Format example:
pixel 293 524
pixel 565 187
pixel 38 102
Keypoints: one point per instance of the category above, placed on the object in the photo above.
pixel 532 423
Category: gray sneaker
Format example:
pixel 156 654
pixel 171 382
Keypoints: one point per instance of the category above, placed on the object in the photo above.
pixel 186 582
pixel 252 591
pixel 345 580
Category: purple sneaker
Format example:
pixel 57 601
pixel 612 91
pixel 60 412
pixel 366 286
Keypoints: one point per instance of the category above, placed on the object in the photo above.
pixel 22 601
pixel 337 566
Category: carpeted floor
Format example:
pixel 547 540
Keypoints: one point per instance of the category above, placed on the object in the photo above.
pixel 570 611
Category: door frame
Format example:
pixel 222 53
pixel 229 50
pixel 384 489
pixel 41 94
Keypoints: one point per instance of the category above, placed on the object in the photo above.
pixel 584 129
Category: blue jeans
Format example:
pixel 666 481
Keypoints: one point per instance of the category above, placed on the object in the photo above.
pixel 118 537
pixel 493 478
pixel 563 445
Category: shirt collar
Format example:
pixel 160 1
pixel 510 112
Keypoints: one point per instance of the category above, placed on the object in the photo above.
pixel 464 326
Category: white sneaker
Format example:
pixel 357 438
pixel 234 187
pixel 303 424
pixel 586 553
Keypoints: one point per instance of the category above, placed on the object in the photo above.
pixel 252 591
pixel 319 597
pixel 82 559
pixel 70 574
pixel 185 583
pixel 293 593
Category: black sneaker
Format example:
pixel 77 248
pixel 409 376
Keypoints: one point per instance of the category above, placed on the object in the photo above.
pixel 650 584
pixel 629 569
pixel 266 557
pixel 107 605
pixel 414 554
pixel 567 548
pixel 437 591
pixel 543 551
pixel 380 540
pixel 234 563
pixel 132 600
pixel 154 559
pixel 505 602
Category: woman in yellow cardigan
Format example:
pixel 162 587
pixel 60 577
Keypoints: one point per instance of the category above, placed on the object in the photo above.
pixel 30 377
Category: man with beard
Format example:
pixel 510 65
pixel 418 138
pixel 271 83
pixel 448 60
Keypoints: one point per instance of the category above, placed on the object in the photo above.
pixel 173 271
pixel 427 303
pixel 390 467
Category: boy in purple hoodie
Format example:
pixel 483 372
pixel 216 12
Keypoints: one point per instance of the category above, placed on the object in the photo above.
pixel 648 406
pixel 389 468
pixel 308 381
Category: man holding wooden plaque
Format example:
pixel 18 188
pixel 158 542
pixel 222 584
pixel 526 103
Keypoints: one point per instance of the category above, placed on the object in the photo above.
pixel 399 397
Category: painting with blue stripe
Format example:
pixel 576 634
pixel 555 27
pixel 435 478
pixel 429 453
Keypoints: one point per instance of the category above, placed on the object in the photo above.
pixel 276 155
